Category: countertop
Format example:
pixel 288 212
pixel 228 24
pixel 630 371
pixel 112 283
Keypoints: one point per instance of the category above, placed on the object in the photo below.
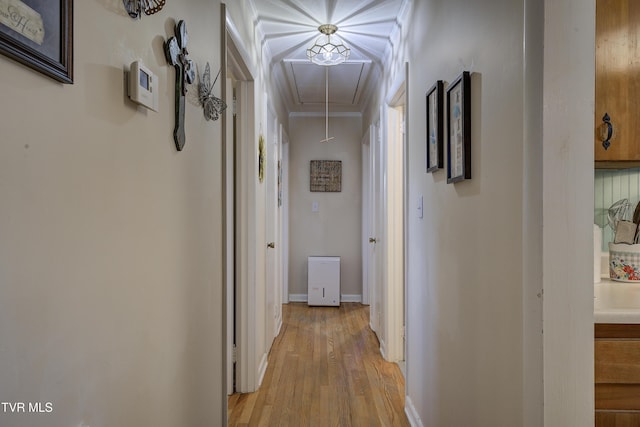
pixel 616 302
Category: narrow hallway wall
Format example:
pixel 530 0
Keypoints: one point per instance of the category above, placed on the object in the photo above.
pixel 464 303
pixel 110 255
pixel 335 230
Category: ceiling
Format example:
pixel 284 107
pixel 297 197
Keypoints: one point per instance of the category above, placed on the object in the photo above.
pixel 289 27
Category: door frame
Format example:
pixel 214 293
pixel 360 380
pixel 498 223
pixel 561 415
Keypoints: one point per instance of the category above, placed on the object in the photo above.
pixel 284 214
pixel 366 215
pixel 239 317
pixel 395 219
pixel 273 300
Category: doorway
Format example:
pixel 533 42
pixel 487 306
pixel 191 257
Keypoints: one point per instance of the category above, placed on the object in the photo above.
pixel 394 197
pixel 240 145
pixel 384 176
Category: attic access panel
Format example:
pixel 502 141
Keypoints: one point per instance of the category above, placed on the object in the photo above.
pixel 345 80
pixel 326 176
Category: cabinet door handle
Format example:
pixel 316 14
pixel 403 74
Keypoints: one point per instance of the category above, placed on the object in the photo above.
pixel 607 121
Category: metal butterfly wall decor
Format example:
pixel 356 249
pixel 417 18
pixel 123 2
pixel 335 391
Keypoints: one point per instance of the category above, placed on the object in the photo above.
pixel 136 7
pixel 213 106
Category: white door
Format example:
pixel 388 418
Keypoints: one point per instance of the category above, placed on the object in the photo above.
pixel 394 235
pixel 366 217
pixel 283 197
pixel 273 285
pixel 375 226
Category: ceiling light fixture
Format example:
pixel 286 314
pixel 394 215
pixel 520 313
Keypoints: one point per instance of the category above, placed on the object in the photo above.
pixel 328 49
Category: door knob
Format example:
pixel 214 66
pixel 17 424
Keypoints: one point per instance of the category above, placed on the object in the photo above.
pixel 271 245
pixel 372 240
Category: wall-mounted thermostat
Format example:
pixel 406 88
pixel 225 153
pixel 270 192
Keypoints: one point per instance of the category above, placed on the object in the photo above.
pixel 143 86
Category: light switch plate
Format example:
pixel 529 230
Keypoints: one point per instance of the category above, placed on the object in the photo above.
pixel 420 207
pixel 315 207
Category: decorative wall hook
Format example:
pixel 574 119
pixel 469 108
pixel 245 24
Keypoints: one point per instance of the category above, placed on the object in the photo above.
pixel 175 49
pixel 212 105
pixel 136 7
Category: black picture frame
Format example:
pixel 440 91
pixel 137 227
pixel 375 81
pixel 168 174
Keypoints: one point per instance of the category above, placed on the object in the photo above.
pixel 435 127
pixel 459 129
pixel 39 34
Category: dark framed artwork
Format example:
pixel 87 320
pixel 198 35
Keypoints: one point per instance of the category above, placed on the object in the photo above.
pixel 435 127
pixel 459 129
pixel 279 183
pixel 325 176
pixel 39 34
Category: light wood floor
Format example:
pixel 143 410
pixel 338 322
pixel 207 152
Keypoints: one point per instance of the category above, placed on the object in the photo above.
pixel 325 369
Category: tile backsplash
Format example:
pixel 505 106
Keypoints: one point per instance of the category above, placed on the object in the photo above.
pixel 611 186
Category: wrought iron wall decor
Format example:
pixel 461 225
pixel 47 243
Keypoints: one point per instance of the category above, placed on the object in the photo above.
pixel 212 105
pixel 175 50
pixel 135 8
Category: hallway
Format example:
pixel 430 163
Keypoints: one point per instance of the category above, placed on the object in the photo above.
pixel 324 369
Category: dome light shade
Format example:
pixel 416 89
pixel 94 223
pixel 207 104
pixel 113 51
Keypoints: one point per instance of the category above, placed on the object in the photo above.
pixel 328 49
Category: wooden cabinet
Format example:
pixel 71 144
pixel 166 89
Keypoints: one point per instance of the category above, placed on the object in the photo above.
pixel 617 91
pixel 617 375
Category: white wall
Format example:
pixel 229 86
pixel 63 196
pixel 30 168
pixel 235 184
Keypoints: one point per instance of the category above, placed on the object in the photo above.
pixel 487 248
pixel 336 229
pixel 465 262
pixel 110 256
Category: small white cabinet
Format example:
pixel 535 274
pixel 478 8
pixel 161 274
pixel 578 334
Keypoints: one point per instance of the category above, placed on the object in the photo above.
pixel 323 279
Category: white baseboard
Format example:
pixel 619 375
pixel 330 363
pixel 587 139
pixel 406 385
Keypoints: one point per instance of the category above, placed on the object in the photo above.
pixel 343 298
pixel 383 349
pixel 262 369
pixel 278 326
pixel 350 298
pixel 297 297
pixel 412 414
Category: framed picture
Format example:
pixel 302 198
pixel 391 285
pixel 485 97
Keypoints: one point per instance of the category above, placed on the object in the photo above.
pixel 435 125
pixel 279 183
pixel 325 176
pixel 261 157
pixel 459 129
pixel 39 34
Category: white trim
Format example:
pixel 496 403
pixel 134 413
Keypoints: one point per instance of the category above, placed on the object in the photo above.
pixel 350 298
pixel 567 192
pixel 297 297
pixel 285 216
pixel 383 348
pixel 278 324
pixel 229 222
pixel 365 213
pixel 394 216
pixel 412 414
pixel 306 61
pixel 240 50
pixel 343 298
pixel 322 114
pixel 262 369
